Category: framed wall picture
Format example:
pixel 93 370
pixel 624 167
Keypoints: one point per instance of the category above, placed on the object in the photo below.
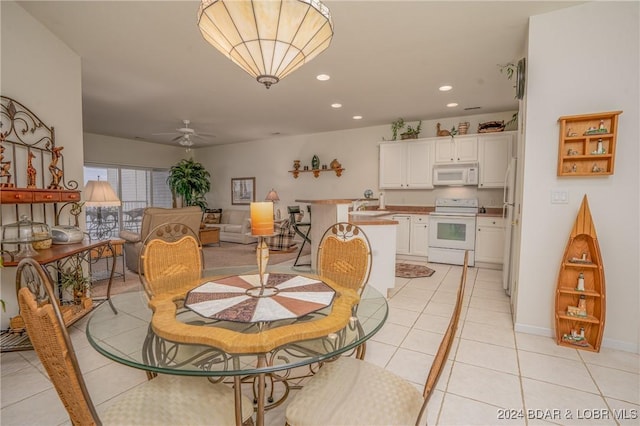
pixel 243 190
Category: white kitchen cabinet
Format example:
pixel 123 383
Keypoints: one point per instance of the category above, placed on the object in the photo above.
pixel 403 233
pixel 494 152
pixel 419 244
pixel 457 149
pixel 490 239
pixel 406 165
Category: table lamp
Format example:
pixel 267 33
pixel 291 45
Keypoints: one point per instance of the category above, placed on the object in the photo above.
pixel 261 227
pixel 99 193
pixel 273 197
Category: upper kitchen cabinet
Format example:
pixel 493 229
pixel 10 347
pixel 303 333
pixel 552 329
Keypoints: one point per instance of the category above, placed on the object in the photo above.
pixel 457 149
pixel 494 152
pixel 406 165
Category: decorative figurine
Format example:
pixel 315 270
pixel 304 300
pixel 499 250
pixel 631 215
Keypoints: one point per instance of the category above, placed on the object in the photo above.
pixel 5 167
pixel 56 172
pixel 296 164
pixel 595 168
pixel 315 162
pixel 442 132
pixel 582 306
pixel 600 148
pixel 31 171
pixel 335 164
pixel 580 282
pixel 574 167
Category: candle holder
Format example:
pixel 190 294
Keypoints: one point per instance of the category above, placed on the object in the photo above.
pixel 261 227
pixel 262 258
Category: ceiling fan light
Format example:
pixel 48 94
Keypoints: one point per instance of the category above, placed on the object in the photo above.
pixel 269 39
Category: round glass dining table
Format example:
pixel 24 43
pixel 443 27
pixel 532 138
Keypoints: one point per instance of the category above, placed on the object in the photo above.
pixel 138 337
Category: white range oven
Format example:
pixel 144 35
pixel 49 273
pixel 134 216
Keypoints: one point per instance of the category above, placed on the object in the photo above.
pixel 452 230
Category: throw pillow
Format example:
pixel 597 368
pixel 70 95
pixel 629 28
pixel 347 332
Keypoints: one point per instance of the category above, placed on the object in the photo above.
pixel 212 216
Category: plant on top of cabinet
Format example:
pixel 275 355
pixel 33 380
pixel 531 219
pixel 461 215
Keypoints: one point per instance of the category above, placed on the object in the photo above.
pixel 410 133
pixel 396 126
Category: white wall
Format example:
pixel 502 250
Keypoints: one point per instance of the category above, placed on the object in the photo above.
pixel 269 161
pixel 43 74
pixel 101 149
pixel 582 60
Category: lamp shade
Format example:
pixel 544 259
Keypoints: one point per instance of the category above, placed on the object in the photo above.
pixel 269 39
pixel 261 218
pixel 99 193
pixel 272 196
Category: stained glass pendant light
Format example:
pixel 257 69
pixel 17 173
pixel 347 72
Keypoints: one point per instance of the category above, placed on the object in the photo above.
pixel 269 39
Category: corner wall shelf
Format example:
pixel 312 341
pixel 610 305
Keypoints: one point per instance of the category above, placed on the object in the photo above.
pixel 316 172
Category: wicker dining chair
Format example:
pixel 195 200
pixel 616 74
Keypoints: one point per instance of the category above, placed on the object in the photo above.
pixel 171 258
pixel 163 400
pixel 350 391
pixel 344 256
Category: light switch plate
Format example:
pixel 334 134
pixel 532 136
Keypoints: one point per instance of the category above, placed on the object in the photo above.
pixel 559 196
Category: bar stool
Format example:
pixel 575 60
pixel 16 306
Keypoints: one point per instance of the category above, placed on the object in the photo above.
pixel 302 229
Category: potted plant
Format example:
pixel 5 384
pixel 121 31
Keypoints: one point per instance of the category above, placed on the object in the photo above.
pixel 74 280
pixel 191 181
pixel 412 133
pixel 396 126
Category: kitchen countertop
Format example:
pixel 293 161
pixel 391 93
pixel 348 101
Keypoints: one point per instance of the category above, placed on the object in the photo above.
pixel 330 201
pixel 372 216
pixel 390 210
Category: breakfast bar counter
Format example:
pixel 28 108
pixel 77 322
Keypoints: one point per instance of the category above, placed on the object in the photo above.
pixel 381 233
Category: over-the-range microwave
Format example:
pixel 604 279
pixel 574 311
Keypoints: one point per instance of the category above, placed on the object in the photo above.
pixel 455 174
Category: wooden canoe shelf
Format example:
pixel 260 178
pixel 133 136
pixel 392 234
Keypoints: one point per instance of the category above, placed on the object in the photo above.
pixel 583 330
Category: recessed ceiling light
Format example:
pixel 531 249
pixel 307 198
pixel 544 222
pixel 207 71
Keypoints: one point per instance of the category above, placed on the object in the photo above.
pixel 357 117
pixel 336 105
pixel 445 88
pixel 452 104
pixel 323 77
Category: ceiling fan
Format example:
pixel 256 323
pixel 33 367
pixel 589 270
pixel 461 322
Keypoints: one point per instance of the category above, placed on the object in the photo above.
pixel 185 134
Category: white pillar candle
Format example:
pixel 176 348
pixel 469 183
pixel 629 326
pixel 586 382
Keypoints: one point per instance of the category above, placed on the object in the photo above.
pixel 262 218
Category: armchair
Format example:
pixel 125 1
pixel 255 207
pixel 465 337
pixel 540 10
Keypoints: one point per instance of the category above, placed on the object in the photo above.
pixel 152 217
pixel 283 238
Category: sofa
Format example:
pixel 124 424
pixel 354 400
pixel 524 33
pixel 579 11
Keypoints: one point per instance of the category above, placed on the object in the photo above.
pixel 234 224
pixel 152 217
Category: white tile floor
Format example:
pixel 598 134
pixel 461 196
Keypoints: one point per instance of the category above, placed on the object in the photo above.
pixel 493 376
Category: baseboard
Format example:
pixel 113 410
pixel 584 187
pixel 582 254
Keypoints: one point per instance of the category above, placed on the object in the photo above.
pixel 530 329
pixel 606 343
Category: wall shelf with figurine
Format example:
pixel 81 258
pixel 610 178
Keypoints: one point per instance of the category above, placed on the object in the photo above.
pixel 580 292
pixel 587 144
pixel 316 169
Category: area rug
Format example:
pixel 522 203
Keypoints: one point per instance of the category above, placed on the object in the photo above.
pixel 407 270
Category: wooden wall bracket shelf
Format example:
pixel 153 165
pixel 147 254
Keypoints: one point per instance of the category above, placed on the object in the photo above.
pixel 581 137
pixel 316 172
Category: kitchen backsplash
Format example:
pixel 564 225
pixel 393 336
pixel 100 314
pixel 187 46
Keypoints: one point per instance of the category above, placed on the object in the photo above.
pixel 486 197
